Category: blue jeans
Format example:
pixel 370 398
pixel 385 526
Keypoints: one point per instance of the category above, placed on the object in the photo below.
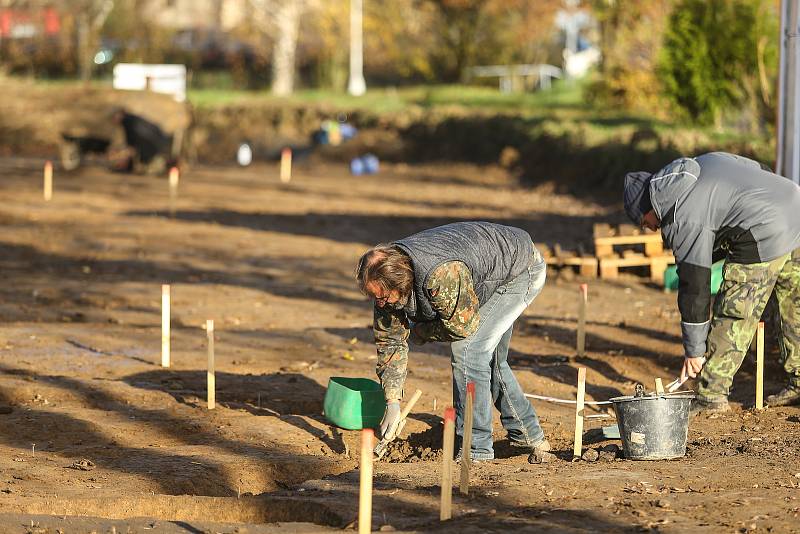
pixel 482 358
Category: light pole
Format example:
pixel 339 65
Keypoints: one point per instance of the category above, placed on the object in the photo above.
pixel 356 86
pixel 788 160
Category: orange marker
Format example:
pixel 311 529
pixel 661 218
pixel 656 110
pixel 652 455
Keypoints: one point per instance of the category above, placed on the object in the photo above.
pixel 174 178
pixel 286 165
pixel 48 180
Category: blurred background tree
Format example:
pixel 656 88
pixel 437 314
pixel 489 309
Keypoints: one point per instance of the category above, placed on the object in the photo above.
pixel 398 40
pixel 701 61
pixel 281 18
pixel 630 39
pixel 130 35
pixel 414 41
pixel 490 32
pixel 720 56
pixel 90 16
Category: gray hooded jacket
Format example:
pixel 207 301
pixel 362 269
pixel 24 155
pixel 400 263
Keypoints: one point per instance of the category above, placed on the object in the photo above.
pixel 717 206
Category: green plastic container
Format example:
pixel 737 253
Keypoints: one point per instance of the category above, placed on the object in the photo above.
pixel 354 403
pixel 671 277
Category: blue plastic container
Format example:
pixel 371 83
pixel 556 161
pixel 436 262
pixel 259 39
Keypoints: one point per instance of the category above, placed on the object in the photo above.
pixel 371 164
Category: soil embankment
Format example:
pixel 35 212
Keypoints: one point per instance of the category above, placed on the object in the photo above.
pixel 583 154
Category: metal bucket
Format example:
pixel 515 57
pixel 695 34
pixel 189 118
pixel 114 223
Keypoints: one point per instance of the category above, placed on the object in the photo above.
pixel 653 426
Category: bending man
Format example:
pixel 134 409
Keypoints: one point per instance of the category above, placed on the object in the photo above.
pixel 719 206
pixel 463 283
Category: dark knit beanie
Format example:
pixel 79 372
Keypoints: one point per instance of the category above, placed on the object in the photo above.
pixel 637 195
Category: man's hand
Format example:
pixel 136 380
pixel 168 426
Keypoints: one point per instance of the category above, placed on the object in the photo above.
pixel 415 338
pixel 692 367
pixel 391 418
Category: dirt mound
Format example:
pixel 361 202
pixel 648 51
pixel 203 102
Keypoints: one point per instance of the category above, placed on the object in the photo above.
pixel 33 117
pixel 420 447
pixel 580 155
pixel 758 437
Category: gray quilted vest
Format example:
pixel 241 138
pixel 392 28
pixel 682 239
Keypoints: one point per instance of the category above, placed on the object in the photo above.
pixel 494 253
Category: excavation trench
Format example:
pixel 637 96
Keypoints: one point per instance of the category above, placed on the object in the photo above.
pixel 249 509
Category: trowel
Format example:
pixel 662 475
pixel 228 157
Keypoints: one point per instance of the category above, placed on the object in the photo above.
pixel 380 448
pixel 678 382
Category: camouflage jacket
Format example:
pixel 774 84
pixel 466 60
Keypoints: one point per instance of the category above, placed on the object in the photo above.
pixel 452 296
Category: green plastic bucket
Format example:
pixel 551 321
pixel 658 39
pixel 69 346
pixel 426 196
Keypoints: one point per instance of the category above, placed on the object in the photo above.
pixel 671 277
pixel 354 403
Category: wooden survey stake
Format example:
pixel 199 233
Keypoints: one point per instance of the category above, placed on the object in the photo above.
pixel 466 443
pixel 582 303
pixel 174 178
pixel 659 387
pixel 286 165
pixel 365 491
pixel 48 180
pixel 211 378
pixel 446 511
pixel 165 317
pixel 578 447
pixel 760 366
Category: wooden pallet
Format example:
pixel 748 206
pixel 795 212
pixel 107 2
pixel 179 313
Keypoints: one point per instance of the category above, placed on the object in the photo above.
pixel 614 247
pixel 610 265
pixel 606 238
pixel 586 264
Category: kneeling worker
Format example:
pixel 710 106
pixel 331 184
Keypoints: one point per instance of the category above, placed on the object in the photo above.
pixel 719 206
pixel 147 146
pixel 464 283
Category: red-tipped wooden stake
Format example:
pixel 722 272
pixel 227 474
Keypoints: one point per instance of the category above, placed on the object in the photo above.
pixel 286 165
pixel 446 511
pixel 365 492
pixel 582 304
pixel 578 446
pixel 165 316
pixel 760 366
pixel 212 401
pixel 48 180
pixel 466 443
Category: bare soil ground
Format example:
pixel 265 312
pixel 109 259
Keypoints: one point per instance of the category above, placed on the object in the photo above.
pixel 95 435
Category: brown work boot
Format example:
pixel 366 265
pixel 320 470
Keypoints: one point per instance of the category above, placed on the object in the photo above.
pixel 786 397
pixel 707 407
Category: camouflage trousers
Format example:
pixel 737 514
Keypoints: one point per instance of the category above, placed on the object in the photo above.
pixel 745 290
